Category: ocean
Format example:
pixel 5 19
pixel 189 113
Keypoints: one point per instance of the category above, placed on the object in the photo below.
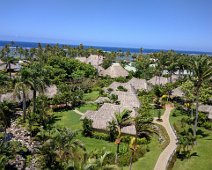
pixel 115 49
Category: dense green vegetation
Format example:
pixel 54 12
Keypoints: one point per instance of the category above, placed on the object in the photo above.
pixel 66 142
pixel 198 156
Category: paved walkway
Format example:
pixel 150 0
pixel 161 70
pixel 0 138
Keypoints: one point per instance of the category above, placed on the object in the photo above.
pixel 168 151
pixel 78 112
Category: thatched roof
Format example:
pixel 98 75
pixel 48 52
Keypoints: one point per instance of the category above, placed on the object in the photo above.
pixel 138 84
pixel 12 97
pixel 177 92
pixel 157 80
pixel 102 100
pixel 94 60
pixel 114 85
pixel 114 71
pixel 2 66
pixel 206 109
pixel 82 59
pixel 105 114
pixel 51 91
pixel 128 99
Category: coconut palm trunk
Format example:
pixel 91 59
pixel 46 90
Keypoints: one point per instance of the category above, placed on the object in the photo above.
pixel 24 105
pixel 117 153
pixel 196 116
pixel 131 160
pixel 34 100
pixel 10 71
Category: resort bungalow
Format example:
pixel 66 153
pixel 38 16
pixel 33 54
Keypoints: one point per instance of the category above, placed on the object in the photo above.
pixel 177 92
pixel 105 114
pixel 115 71
pixel 158 80
pixel 206 109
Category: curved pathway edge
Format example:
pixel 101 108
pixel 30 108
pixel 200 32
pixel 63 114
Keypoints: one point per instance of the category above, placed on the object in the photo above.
pixel 164 157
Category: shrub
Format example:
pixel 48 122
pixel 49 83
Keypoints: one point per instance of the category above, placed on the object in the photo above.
pixel 87 127
pixel 102 136
pixel 207 125
pixel 121 88
pixel 109 90
pixel 121 79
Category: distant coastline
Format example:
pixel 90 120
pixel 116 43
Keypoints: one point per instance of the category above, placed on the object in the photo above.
pixel 115 49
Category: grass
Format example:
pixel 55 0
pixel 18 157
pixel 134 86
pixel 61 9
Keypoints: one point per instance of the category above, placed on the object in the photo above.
pixel 91 96
pixel 154 112
pixel 203 149
pixel 69 119
pixel 91 144
pixel 87 106
pixel 150 158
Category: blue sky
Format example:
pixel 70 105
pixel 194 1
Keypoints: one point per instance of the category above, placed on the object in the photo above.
pixel 163 24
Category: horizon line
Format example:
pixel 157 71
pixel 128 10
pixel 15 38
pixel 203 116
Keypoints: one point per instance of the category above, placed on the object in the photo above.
pixel 101 46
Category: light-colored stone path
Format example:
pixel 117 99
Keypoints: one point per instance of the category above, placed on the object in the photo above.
pixel 78 112
pixel 164 157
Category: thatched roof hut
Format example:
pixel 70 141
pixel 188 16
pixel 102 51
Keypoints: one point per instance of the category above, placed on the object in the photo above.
pixel 50 92
pixel 102 100
pixel 158 80
pixel 206 109
pixel 82 59
pixel 94 60
pixel 128 99
pixel 114 71
pixel 114 85
pixel 138 84
pixel 105 114
pixel 177 92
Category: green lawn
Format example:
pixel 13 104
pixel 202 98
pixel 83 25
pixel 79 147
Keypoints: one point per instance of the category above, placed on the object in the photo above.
pixel 69 119
pixel 203 149
pixel 150 158
pixel 91 96
pixel 87 106
pixel 154 112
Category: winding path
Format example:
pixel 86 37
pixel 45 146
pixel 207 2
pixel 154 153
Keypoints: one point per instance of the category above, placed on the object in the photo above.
pixel 164 157
pixel 78 112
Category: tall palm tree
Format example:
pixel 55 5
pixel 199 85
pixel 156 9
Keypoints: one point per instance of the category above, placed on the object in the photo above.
pixel 123 119
pixel 22 89
pixel 9 60
pixel 202 70
pixel 35 76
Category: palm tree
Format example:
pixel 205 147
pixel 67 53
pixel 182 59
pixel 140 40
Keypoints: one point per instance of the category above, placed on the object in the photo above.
pixel 127 55
pixel 202 70
pixel 9 60
pixel 123 119
pixel 22 88
pixel 133 147
pixel 36 77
